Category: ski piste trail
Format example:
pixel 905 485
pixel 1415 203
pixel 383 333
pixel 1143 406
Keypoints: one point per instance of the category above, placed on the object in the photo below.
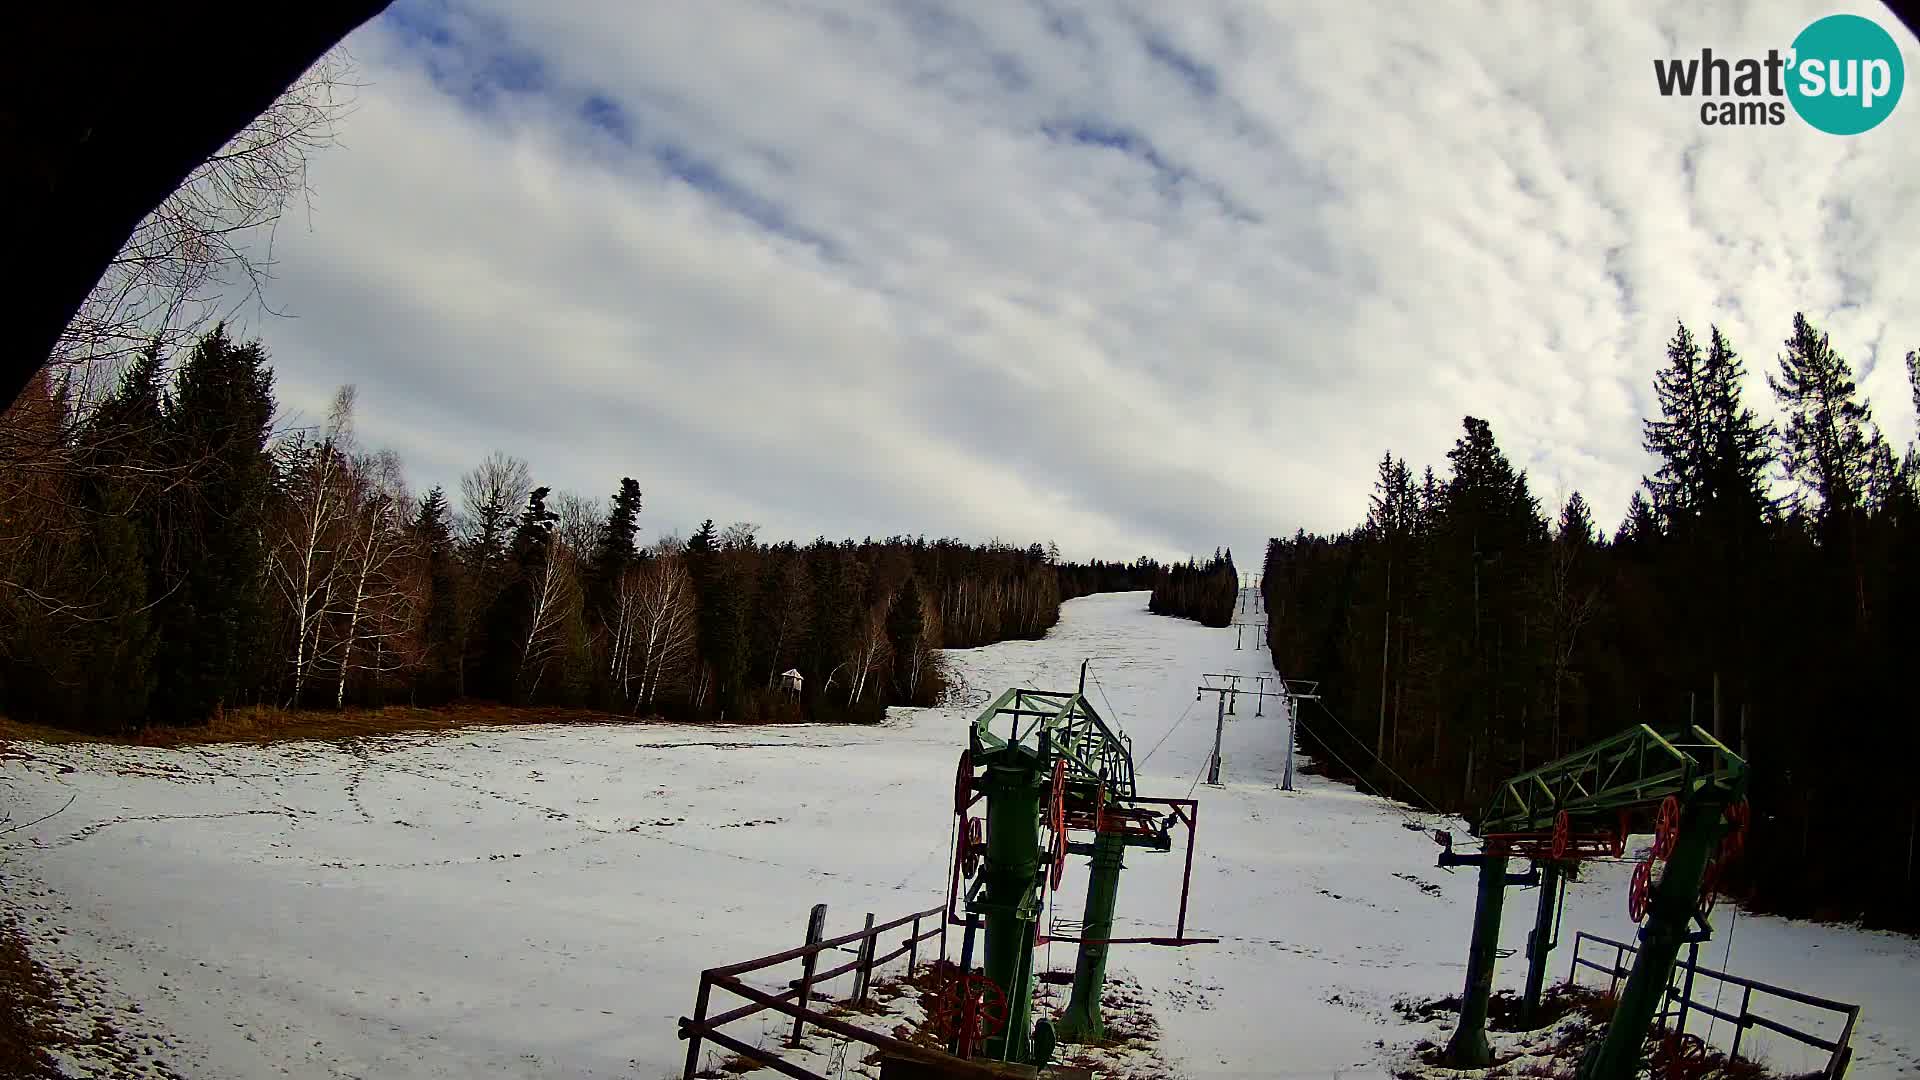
pixel 540 900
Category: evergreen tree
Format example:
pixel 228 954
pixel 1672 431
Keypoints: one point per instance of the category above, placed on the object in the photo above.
pixel 615 550
pixel 433 538
pixel 1576 522
pixel 1679 438
pixel 212 615
pixel 1827 445
pixel 906 624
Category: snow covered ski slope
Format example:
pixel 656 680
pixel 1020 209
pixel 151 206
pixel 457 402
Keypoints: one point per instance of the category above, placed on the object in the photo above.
pixel 539 901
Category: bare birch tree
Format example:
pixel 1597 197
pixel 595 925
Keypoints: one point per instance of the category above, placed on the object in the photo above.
pixel 870 651
pixel 582 520
pixel 207 248
pixel 304 562
pixel 664 624
pixel 375 603
pixel 555 594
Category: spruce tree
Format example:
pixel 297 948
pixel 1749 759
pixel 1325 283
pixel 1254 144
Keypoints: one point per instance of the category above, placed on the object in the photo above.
pixel 615 550
pixel 433 536
pixel 1679 438
pixel 906 624
pixel 212 618
pixel 1828 442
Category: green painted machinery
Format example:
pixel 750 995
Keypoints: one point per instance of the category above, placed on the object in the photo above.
pixel 1057 781
pixel 1687 789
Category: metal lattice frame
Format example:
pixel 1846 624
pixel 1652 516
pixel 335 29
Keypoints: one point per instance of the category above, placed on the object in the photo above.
pixel 1629 771
pixel 1075 731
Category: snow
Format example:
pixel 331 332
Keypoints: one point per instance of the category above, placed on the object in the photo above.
pixel 512 901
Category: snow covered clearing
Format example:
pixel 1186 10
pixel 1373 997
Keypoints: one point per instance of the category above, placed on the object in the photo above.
pixel 540 901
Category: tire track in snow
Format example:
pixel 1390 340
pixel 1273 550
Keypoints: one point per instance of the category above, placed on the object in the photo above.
pixel 100 826
pixel 634 830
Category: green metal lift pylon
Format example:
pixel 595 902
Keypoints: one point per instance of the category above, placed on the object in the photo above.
pixel 1053 734
pixel 1015 780
pixel 1548 815
pixel 1082 1022
pixel 1672 907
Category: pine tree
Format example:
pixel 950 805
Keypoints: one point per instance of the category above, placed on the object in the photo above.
pixel 906 623
pixel 615 550
pixel 1827 445
pixel 1576 522
pixel 213 615
pixel 433 536
pixel 1679 438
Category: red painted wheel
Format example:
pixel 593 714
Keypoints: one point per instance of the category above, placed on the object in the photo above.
pixel 1639 888
pixel 972 843
pixel 1666 828
pixel 1735 842
pixel 1562 834
pixel 1709 888
pixel 1057 822
pixel 1691 1048
pixel 970 1008
pixel 963 784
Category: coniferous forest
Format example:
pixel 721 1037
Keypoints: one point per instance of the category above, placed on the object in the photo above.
pixel 1764 584
pixel 1204 593
pixel 167 553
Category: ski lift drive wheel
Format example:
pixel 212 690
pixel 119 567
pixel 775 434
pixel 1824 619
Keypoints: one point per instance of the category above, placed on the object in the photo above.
pixel 1639 889
pixel 970 1005
pixel 972 842
pixel 1666 827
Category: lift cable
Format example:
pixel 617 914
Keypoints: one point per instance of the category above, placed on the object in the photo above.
pixel 1119 725
pixel 1376 757
pixel 1733 921
pixel 1164 738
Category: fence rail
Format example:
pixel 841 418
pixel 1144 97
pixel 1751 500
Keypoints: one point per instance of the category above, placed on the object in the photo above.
pixel 793 1001
pixel 1680 1001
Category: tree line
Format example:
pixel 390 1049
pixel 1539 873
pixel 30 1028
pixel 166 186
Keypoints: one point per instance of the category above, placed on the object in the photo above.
pixel 1205 592
pixel 1763 585
pixel 166 554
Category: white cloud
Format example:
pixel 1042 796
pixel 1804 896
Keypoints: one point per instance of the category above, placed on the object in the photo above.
pixel 1132 277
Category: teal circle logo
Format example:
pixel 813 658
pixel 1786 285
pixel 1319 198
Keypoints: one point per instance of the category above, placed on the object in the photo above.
pixel 1845 75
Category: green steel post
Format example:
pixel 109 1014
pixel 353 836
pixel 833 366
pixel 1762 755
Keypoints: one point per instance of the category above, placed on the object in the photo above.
pixel 1014 784
pixel 1674 900
pixel 1540 942
pixel 1469 1048
pixel 1081 1022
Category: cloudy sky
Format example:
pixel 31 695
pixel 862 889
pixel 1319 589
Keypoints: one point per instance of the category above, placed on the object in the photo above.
pixel 1135 277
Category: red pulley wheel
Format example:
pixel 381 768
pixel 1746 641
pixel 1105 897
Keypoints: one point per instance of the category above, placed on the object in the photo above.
pixel 1709 888
pixel 1735 842
pixel 972 842
pixel 970 1007
pixel 1666 828
pixel 1562 834
pixel 1058 823
pixel 963 784
pixel 1639 888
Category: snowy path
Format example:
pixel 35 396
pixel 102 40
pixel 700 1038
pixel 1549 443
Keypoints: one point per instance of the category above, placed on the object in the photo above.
pixel 539 901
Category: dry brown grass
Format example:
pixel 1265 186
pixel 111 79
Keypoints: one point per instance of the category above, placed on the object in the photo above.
pixel 27 1005
pixel 264 724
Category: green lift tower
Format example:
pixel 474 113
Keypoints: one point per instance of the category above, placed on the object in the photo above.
pixel 1048 767
pixel 1688 787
